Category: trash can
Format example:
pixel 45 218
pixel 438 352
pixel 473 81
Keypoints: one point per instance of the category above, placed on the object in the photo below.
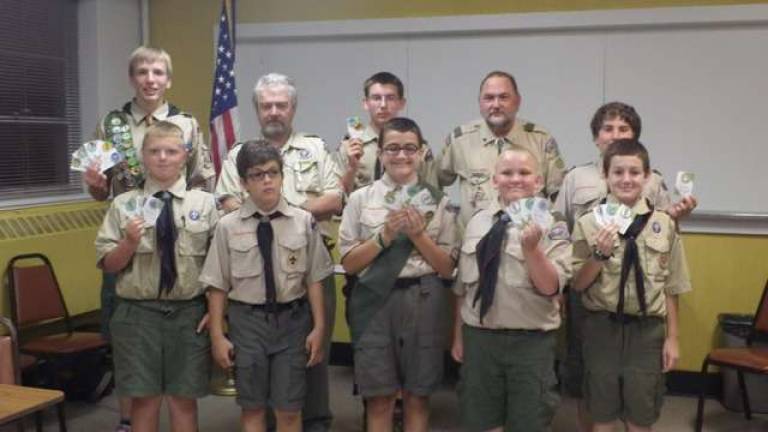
pixel 734 330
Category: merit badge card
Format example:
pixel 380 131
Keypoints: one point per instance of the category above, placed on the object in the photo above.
pixel 684 183
pixel 355 127
pixel 147 208
pixel 533 209
pixel 97 151
pixel 614 213
pixel 414 196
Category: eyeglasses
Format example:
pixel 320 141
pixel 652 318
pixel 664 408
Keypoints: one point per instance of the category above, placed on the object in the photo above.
pixel 395 150
pixel 262 175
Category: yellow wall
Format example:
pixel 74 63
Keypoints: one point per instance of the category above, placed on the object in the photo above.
pixel 728 271
pixel 71 252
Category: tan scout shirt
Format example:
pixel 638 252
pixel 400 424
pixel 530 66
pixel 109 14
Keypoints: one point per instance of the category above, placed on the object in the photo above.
pixel 516 304
pixel 195 217
pixel 199 170
pixel 472 150
pixel 365 215
pixel 367 169
pixel 584 187
pixel 661 257
pixel 235 264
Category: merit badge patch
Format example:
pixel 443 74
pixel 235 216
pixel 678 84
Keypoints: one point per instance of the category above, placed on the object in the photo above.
pixel 305 154
pixel 558 232
pixel 194 215
pixel 656 227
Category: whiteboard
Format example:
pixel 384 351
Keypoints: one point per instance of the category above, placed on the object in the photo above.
pixel 697 76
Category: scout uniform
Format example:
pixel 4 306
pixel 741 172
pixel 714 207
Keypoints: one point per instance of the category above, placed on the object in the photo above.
pixel 308 171
pixel 270 354
pixel 626 343
pixel 514 341
pixel 370 168
pixel 126 127
pixel 472 150
pixel 157 350
pixel 583 188
pixel 401 345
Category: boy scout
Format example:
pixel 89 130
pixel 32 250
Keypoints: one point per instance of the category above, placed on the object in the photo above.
pixel 471 151
pixel 268 261
pixel 150 72
pixel 630 284
pixel 507 309
pixel 158 351
pixel 583 188
pixel 383 99
pixel 400 254
pixel 310 181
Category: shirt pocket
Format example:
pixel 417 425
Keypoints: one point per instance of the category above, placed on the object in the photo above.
pixel 293 255
pixel 193 239
pixel 514 270
pixel 308 176
pixel 657 252
pixel 148 240
pixel 371 221
pixel 584 199
pixel 246 261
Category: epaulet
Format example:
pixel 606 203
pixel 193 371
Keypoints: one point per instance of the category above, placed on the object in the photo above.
pixel 306 135
pixel 531 127
pixel 577 166
pixel 126 108
pixel 465 129
pixel 174 110
pixel 658 172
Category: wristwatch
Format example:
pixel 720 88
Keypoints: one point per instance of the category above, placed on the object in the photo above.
pixel 598 256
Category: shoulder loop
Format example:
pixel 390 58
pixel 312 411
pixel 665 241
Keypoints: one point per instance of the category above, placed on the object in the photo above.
pixel 174 110
pixel 126 108
pixel 529 127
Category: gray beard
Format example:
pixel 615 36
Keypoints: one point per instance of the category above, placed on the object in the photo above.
pixel 274 130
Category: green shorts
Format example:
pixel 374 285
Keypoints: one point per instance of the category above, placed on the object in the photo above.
pixel 270 355
pixel 622 368
pixel 402 347
pixel 508 379
pixel 157 350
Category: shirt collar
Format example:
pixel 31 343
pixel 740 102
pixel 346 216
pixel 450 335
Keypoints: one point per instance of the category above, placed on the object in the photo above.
pixel 390 184
pixel 487 136
pixel 369 135
pixel 139 115
pixel 178 189
pixel 248 209
pixel 640 207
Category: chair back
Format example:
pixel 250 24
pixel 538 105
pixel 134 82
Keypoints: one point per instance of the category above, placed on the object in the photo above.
pixel 760 325
pixel 10 371
pixel 34 291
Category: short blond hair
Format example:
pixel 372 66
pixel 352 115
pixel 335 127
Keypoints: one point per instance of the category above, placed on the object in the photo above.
pixel 514 148
pixel 164 129
pixel 145 54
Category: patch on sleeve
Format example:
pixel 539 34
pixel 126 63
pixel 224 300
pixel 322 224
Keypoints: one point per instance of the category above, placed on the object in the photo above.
pixel 559 231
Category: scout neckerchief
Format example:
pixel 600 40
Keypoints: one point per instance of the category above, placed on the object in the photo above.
pixel 165 231
pixel 265 235
pixel 488 259
pixel 374 286
pixel 631 259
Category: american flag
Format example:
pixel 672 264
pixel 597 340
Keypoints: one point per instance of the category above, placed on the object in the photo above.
pixel 224 125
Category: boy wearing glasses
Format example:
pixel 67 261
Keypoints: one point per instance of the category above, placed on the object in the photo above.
pixel 267 263
pixel 399 251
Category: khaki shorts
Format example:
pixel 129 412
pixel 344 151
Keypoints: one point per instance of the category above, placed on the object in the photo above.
pixel 402 347
pixel 270 355
pixel 157 350
pixel 508 380
pixel 622 368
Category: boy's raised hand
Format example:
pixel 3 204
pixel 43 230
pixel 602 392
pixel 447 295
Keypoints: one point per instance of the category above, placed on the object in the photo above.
pixel 314 347
pixel 530 237
pixel 683 208
pixel 134 230
pixel 415 222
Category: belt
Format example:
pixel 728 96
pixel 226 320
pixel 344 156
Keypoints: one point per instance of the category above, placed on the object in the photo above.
pixel 405 283
pixel 627 319
pixel 166 307
pixel 279 307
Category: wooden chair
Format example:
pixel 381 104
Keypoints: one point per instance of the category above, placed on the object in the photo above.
pixel 748 359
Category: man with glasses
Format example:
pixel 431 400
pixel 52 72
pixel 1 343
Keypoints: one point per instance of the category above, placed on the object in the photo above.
pixel 471 150
pixel 357 157
pixel 310 181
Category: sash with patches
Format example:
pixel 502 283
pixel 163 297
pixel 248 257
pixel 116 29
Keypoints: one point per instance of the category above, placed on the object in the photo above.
pixel 372 289
pixel 118 131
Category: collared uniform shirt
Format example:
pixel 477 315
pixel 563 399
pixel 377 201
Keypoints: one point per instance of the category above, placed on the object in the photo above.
pixel 517 304
pixel 235 264
pixel 366 171
pixel 199 171
pixel 195 217
pixel 662 259
pixel 472 150
pixel 585 186
pixel 309 171
pixel 366 213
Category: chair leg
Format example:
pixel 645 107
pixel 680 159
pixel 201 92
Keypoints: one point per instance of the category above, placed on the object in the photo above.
pixel 62 418
pixel 744 396
pixel 39 421
pixel 702 390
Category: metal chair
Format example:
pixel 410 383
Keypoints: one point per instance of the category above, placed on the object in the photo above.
pixel 744 360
